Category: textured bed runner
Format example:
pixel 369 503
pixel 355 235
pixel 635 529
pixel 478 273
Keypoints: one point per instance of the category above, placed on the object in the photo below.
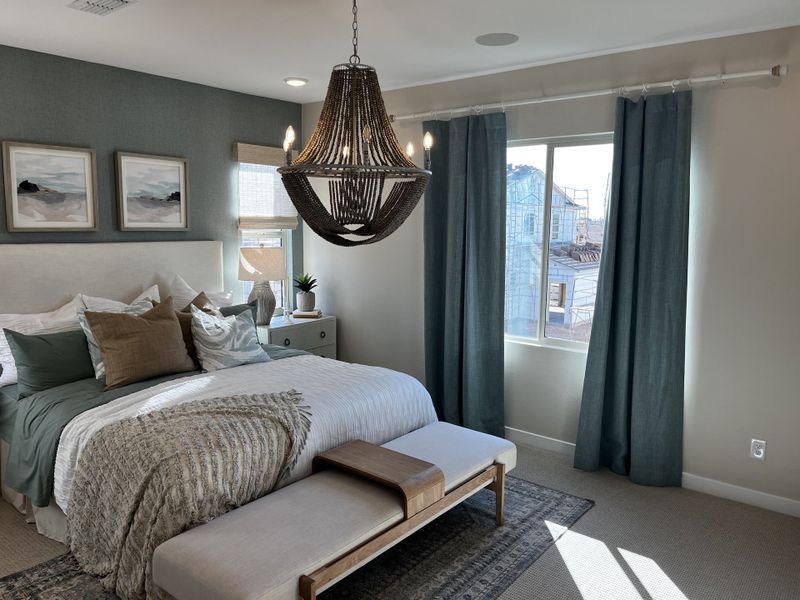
pixel 143 480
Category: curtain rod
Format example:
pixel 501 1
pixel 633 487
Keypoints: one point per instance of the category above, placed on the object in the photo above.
pixel 644 88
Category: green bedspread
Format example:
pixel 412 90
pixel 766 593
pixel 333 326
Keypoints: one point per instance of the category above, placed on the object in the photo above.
pixel 41 417
pixel 8 411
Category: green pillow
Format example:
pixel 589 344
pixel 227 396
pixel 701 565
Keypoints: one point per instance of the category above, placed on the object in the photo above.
pixel 48 360
pixel 238 309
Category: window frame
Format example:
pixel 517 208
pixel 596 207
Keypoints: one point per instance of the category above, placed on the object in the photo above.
pixel 541 340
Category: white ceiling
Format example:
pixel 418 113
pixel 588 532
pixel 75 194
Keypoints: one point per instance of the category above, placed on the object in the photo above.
pixel 251 45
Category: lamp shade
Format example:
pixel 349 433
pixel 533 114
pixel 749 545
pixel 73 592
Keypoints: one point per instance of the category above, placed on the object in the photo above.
pixel 262 264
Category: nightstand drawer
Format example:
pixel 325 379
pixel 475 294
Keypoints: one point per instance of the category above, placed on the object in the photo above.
pixel 303 336
pixel 328 351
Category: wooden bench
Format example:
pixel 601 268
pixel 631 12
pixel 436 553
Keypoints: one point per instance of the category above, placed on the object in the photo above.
pixel 361 500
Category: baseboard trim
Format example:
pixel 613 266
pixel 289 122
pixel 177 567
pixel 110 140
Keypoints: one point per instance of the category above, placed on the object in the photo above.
pixel 741 494
pixel 526 438
pixel 721 489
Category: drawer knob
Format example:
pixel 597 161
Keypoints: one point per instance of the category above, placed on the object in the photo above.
pixel 287 341
pixel 322 334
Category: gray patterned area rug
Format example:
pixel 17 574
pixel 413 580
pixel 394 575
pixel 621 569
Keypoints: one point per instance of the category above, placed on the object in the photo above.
pixel 462 555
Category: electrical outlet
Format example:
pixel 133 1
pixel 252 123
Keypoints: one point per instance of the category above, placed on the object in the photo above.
pixel 758 449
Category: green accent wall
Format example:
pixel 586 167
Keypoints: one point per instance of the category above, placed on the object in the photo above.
pixel 54 100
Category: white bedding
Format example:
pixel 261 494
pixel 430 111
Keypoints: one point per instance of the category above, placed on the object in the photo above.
pixel 347 402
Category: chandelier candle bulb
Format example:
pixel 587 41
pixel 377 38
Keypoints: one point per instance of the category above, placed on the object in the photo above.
pixel 410 149
pixel 290 135
pixel 427 144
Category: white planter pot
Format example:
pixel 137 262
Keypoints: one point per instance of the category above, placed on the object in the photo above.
pixel 306 300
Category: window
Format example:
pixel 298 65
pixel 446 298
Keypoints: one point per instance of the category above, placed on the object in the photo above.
pixel 268 238
pixel 555 229
pixel 529 224
pixel 266 213
pixel 557 199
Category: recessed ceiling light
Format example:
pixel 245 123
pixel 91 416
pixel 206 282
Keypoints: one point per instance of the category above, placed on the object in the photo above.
pixel 496 39
pixel 295 81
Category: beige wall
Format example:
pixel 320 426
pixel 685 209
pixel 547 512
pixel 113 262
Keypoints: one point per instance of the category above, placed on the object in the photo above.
pixel 743 329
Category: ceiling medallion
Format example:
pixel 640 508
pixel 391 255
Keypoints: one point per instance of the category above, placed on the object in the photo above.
pixel 356 150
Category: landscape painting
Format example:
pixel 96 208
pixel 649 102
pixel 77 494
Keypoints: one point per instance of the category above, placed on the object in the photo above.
pixel 49 188
pixel 153 192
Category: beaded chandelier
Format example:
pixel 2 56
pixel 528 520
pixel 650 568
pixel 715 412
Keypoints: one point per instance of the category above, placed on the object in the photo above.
pixel 373 186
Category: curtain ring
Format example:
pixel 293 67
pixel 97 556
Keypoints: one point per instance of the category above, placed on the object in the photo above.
pixel 503 107
pixel 644 89
pixel 673 86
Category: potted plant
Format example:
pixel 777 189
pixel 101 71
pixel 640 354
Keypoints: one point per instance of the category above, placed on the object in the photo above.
pixel 305 297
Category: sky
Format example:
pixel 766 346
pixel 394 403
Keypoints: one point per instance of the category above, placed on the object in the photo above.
pixel 60 173
pixel 151 179
pixel 580 167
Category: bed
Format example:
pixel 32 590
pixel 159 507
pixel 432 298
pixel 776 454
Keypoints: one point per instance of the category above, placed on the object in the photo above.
pixel 345 401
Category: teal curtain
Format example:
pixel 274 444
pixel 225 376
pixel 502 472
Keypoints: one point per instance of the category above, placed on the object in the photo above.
pixel 632 410
pixel 465 231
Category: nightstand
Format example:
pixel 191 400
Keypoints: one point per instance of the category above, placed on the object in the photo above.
pixel 317 336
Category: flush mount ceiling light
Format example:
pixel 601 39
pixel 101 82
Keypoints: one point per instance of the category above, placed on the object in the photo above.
pixel 496 39
pixel 355 150
pixel 295 81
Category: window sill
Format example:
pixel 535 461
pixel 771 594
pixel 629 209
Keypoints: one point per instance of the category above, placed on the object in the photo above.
pixel 549 344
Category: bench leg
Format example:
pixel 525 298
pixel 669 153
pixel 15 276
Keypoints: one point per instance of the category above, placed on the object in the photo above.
pixel 500 492
pixel 308 588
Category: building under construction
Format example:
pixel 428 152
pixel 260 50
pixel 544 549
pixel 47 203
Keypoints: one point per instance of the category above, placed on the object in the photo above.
pixel 573 258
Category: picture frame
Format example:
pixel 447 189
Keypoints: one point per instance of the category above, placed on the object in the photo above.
pixel 49 188
pixel 152 192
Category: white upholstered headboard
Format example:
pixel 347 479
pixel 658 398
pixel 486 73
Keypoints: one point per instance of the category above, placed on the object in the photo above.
pixel 42 277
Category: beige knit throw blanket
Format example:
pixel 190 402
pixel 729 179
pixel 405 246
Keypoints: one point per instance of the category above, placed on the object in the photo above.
pixel 143 480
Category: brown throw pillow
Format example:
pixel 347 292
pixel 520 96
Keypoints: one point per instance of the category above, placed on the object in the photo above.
pixel 135 348
pixel 202 302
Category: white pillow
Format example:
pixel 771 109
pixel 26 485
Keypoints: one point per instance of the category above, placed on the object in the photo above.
pixel 61 319
pixel 97 304
pixel 183 294
pixel 91 304
pixel 223 342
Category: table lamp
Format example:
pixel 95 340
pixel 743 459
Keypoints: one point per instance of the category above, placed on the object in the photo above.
pixel 262 265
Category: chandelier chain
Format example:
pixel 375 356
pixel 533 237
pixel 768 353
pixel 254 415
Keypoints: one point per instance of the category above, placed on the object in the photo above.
pixel 355 58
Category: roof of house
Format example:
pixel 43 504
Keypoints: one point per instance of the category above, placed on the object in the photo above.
pixel 521 171
pixel 576 256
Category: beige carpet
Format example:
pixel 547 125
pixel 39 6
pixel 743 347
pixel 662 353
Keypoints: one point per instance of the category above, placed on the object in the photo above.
pixel 637 543
pixel 20 546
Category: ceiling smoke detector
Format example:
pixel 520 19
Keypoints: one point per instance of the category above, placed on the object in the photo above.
pixel 99 7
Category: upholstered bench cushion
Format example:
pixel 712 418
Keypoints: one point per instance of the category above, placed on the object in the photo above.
pixel 259 551
pixel 460 453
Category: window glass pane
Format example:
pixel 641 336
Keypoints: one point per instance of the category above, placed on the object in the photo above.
pixel 268 238
pixel 581 181
pixel 524 231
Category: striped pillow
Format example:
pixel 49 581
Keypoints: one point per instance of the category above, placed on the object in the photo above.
pixel 223 342
pixel 61 319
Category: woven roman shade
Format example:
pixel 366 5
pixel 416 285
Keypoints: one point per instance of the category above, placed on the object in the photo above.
pixel 263 201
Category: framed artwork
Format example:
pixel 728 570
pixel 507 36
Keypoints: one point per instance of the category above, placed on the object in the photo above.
pixel 153 192
pixel 49 188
